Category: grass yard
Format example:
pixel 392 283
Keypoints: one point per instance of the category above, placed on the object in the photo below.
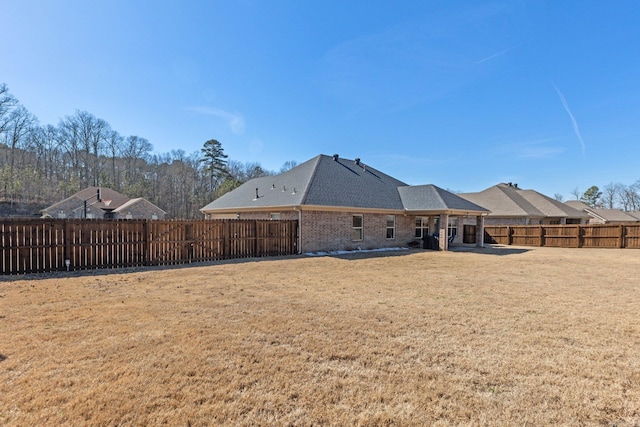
pixel 495 336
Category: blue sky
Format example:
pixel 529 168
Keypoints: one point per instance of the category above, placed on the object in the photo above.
pixel 460 94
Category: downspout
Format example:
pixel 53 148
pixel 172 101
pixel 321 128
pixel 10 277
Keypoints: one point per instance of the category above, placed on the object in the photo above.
pixel 295 208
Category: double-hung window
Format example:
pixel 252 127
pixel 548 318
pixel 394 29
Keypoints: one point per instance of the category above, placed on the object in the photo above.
pixel 422 226
pixel 391 226
pixel 357 232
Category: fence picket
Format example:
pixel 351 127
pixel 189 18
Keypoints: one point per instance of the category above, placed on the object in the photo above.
pixel 566 236
pixel 43 245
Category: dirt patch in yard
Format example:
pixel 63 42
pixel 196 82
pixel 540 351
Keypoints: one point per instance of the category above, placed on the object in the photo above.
pixel 495 336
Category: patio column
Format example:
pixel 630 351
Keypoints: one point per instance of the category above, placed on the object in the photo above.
pixel 443 238
pixel 479 231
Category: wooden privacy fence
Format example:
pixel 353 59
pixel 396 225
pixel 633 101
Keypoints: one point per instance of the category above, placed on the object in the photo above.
pixel 566 236
pixel 43 245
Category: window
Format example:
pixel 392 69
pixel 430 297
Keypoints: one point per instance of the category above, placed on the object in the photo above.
pixel 452 230
pixel 274 216
pixel 357 233
pixel 391 226
pixel 422 226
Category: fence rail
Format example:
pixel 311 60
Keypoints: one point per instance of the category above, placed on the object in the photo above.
pixel 44 245
pixel 566 236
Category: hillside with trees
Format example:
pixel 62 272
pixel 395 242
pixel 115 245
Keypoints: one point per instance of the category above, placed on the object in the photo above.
pixel 42 164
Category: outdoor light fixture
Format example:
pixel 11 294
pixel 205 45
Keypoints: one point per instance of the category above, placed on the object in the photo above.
pixel 67 262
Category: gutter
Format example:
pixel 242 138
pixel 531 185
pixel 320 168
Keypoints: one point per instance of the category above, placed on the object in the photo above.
pixel 297 209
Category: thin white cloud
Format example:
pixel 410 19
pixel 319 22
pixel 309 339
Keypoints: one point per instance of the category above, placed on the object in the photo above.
pixel 576 129
pixel 537 149
pixel 234 120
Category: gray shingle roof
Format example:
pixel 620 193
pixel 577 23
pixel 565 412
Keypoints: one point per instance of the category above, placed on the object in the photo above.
pixel 330 181
pixel 505 200
pixel 430 197
pixel 606 215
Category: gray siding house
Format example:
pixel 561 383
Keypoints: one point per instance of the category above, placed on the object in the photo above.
pixel 344 204
pixel 103 203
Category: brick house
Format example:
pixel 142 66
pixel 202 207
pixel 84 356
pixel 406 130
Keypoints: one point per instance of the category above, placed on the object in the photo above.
pixel 343 204
pixel 512 205
pixel 103 203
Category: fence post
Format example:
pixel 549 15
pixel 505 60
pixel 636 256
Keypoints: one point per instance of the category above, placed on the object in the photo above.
pixel 621 237
pixel 146 256
pixel 67 242
pixel 509 236
pixel 579 235
pixel 541 235
pixel 226 244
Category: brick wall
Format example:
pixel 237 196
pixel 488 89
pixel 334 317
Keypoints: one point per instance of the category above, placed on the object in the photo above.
pixel 332 231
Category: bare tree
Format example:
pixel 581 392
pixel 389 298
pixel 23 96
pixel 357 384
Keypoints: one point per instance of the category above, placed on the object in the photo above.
pixel 576 193
pixel 7 103
pixel 114 147
pixel 19 123
pixel 559 197
pixel 135 152
pixel 289 164
pixel 83 137
pixel 611 194
pixel 629 196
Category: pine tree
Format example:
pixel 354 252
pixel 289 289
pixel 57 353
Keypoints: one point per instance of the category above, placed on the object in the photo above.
pixel 215 162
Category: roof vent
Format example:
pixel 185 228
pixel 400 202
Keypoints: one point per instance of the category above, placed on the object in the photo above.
pixel 257 196
pixel 294 190
pixel 335 157
pixel 357 161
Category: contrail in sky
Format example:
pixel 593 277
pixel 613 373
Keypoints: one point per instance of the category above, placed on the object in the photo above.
pixel 576 129
pixel 496 55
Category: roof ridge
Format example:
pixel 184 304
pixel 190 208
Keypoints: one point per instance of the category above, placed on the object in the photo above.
pixel 317 159
pixel 520 201
pixel 438 193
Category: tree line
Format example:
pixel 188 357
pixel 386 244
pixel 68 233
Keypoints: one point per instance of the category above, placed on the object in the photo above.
pixel 614 195
pixel 43 164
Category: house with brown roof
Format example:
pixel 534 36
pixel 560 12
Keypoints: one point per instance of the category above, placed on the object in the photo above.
pixel 512 205
pixel 103 203
pixel 601 215
pixel 344 204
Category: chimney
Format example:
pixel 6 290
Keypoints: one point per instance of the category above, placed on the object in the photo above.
pixel 335 157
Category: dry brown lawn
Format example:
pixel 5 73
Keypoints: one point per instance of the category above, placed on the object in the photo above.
pixel 496 336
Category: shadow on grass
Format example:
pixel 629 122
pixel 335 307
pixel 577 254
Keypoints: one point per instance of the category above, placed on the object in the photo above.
pixel 347 256
pixel 108 271
pixel 2 357
pixel 490 250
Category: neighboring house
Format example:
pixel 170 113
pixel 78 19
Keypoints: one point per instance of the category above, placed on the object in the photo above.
pixel 346 205
pixel 511 205
pixel 601 215
pixel 103 203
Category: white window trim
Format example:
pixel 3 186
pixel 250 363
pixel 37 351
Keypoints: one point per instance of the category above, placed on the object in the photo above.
pixel 393 227
pixel 424 228
pixel 354 228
